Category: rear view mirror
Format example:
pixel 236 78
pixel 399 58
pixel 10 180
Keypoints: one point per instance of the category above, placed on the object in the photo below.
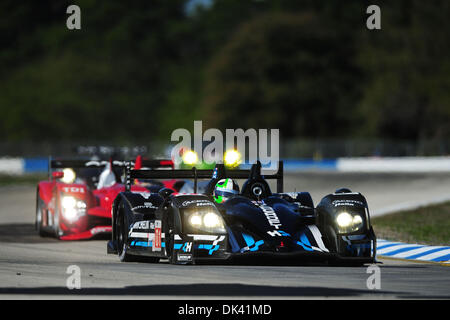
pixel 57 174
pixel 165 193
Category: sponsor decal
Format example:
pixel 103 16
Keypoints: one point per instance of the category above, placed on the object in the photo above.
pixel 100 230
pixel 141 225
pixel 157 242
pixel 215 173
pixel 184 257
pixel 74 190
pixel 278 233
pixel 271 216
pixel 187 247
pixel 147 205
pixel 348 202
pixel 198 203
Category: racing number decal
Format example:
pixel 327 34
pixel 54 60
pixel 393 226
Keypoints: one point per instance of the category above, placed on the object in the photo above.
pixel 157 241
pixel 73 190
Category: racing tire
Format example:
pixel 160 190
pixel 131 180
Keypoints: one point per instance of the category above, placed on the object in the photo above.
pixel 39 216
pixel 122 235
pixel 170 253
pixel 170 240
pixel 122 239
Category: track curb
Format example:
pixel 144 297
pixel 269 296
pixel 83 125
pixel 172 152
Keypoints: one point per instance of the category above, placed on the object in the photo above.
pixel 413 252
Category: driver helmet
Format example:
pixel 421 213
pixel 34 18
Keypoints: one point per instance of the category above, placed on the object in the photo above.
pixel 224 190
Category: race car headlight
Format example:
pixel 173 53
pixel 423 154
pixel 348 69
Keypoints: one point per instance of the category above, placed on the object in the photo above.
pixel 69 176
pixel 195 220
pixel 212 220
pixel 72 208
pixel 232 158
pixel 347 222
pixel 190 157
pixel 208 221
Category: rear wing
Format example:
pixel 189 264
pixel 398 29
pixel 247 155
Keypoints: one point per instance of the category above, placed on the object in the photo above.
pixel 196 174
pixel 150 164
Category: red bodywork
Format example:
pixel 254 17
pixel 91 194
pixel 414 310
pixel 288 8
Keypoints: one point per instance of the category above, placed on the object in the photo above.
pixel 94 220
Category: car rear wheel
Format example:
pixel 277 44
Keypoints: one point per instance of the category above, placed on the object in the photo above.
pixel 39 215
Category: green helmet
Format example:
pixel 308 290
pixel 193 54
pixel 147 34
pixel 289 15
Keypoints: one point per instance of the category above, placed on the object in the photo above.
pixel 224 190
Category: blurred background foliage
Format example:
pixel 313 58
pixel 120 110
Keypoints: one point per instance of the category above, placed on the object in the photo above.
pixel 138 70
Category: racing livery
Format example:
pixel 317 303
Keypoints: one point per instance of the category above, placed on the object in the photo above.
pixel 75 203
pixel 191 228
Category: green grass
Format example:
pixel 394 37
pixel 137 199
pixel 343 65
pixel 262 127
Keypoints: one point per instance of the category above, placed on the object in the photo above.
pixel 31 179
pixel 425 225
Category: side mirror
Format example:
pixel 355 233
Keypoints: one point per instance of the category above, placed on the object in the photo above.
pixel 165 193
pixel 57 174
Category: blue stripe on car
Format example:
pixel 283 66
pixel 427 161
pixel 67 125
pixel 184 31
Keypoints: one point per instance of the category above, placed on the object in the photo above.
pixel 304 242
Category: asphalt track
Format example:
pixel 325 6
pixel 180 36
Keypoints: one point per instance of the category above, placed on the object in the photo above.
pixel 36 268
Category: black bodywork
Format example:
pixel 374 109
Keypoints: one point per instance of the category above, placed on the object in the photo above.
pixel 257 223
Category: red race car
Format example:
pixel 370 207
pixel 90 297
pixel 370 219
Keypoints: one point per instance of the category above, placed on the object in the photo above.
pixel 75 202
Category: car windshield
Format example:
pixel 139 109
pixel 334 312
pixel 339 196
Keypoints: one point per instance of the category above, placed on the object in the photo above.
pixel 90 176
pixel 188 187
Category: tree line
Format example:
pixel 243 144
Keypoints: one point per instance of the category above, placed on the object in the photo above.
pixel 137 71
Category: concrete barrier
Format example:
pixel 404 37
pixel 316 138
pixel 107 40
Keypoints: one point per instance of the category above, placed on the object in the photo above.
pixel 404 164
pixel 13 166
pixel 18 166
pixel 400 164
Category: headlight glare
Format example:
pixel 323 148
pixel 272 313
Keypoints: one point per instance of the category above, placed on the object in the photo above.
pixel 208 221
pixel 190 157
pixel 72 208
pixel 69 176
pixel 195 220
pixel 232 158
pixel 211 220
pixel 348 223
pixel 344 219
pixel 357 221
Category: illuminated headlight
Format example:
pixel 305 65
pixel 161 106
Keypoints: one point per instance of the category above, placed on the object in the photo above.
pixel 212 220
pixel 195 220
pixel 69 176
pixel 232 158
pixel 208 221
pixel 72 208
pixel 348 223
pixel 190 157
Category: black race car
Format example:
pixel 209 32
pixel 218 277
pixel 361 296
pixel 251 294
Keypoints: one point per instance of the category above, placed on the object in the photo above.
pixel 192 228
